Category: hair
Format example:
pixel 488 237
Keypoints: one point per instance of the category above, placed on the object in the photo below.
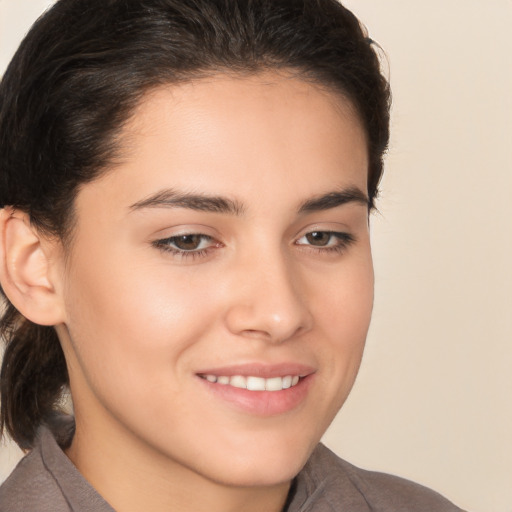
pixel 77 78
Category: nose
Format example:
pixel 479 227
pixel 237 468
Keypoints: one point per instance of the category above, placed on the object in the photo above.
pixel 267 301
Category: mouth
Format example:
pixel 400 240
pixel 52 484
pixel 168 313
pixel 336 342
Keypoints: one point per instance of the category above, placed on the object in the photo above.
pixel 254 383
pixel 258 389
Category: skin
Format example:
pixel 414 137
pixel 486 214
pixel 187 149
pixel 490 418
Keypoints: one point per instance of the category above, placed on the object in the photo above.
pixel 138 322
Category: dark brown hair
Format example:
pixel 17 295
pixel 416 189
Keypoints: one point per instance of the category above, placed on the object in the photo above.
pixel 75 81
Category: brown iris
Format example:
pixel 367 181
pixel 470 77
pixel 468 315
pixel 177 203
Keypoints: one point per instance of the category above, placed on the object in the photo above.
pixel 188 242
pixel 319 238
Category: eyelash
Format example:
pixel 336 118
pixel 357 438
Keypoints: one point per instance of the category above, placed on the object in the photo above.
pixel 164 244
pixel 344 240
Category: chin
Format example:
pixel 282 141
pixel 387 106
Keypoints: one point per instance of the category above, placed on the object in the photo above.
pixel 258 475
pixel 262 466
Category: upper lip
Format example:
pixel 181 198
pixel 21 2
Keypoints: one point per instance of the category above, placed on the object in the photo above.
pixel 266 371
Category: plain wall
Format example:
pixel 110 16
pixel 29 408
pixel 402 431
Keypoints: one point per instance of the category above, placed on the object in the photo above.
pixel 433 401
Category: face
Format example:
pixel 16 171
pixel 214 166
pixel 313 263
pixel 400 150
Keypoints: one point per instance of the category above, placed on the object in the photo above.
pixel 219 285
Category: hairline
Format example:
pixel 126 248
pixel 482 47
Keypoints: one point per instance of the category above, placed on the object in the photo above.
pixel 342 101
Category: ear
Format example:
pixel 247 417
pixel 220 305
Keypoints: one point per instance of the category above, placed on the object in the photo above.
pixel 27 269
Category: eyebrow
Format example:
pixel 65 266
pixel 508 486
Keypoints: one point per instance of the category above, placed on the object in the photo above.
pixel 170 198
pixel 204 203
pixel 335 199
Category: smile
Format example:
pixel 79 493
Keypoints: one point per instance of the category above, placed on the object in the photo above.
pixel 252 383
pixel 259 389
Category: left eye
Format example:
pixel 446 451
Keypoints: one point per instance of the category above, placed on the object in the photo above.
pixel 328 239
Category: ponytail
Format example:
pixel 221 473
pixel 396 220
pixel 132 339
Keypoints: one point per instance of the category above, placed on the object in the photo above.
pixel 32 377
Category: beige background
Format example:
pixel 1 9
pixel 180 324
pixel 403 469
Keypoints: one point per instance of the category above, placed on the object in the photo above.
pixel 433 401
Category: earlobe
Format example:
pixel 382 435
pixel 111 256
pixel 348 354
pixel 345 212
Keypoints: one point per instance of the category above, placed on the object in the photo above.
pixel 25 273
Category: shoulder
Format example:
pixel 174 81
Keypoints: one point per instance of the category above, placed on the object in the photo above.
pixel 31 487
pixel 47 481
pixel 341 484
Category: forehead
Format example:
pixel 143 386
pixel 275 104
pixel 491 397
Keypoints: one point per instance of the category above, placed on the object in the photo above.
pixel 259 97
pixel 245 134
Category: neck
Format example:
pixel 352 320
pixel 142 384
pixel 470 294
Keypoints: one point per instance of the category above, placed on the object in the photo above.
pixel 135 479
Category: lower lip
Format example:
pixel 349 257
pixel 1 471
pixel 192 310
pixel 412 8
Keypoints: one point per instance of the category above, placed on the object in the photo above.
pixel 261 403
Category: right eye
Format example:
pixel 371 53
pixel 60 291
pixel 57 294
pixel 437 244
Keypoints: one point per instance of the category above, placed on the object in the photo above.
pixel 187 245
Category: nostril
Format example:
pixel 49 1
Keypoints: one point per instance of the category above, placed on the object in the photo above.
pixel 273 313
pixel 256 333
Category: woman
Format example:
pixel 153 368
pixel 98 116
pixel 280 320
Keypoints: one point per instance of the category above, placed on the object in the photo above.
pixel 185 190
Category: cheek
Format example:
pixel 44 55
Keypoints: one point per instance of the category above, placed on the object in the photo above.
pixel 343 312
pixel 127 320
pixel 344 303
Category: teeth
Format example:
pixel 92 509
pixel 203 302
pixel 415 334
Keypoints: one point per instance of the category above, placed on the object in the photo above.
pixel 238 381
pixel 255 383
pixel 275 384
pixel 287 382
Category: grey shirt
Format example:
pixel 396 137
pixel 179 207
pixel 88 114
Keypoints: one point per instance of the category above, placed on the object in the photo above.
pixel 47 481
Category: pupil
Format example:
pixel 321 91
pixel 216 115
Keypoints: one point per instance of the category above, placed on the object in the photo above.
pixel 188 242
pixel 318 238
